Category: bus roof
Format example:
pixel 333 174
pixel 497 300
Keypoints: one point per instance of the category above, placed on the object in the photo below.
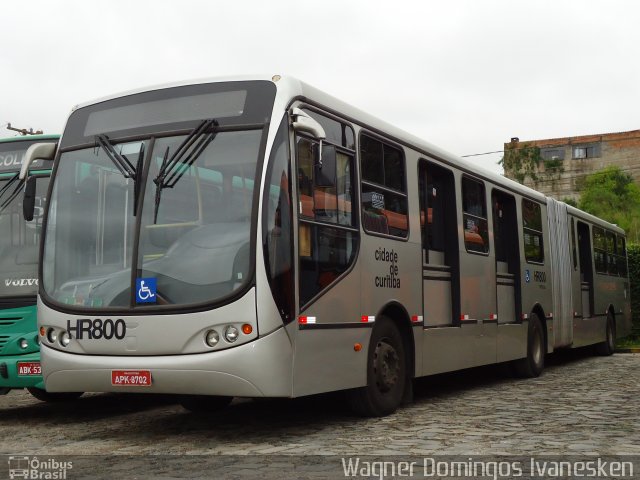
pixel 291 88
pixel 29 138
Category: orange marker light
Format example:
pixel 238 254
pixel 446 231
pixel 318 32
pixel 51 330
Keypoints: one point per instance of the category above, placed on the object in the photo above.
pixel 247 329
pixel 357 347
pixel 42 331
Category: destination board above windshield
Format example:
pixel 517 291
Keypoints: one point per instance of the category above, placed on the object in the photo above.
pixel 12 154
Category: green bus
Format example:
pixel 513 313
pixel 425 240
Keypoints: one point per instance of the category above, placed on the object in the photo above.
pixel 19 252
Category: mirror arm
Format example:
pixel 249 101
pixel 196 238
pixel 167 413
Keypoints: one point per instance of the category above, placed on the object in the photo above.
pixel 36 151
pixel 303 122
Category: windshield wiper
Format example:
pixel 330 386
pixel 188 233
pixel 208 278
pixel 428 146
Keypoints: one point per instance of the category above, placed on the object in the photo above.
pixel 125 167
pixel 186 154
pixel 121 161
pixel 13 194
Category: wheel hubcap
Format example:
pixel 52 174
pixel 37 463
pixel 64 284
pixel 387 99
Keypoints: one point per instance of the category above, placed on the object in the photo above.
pixel 386 366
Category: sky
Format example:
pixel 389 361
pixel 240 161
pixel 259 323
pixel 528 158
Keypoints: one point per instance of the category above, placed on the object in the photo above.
pixel 466 75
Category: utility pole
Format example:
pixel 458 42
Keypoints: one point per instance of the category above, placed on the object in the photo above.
pixel 24 131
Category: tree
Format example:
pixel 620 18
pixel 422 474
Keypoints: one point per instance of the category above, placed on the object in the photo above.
pixel 612 195
pixel 522 160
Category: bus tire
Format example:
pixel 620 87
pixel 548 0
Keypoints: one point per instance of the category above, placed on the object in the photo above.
pixel 386 373
pixel 204 403
pixel 533 364
pixel 53 397
pixel 607 347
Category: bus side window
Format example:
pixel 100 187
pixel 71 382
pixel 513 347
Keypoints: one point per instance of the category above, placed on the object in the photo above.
pixel 612 254
pixel 599 250
pixel 327 237
pixel 622 257
pixel 474 207
pixel 532 231
pixel 278 226
pixel 384 194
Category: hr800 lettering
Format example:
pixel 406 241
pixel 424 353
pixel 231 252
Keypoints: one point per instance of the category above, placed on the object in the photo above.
pixel 97 329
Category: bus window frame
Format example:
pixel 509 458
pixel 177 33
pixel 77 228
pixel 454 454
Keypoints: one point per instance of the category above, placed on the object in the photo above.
pixel 486 212
pixel 361 181
pixel 541 232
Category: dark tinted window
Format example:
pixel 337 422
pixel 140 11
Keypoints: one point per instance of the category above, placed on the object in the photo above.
pixel 384 198
pixel 600 250
pixel 612 254
pixel 278 226
pixel 532 231
pixel 337 132
pixel 474 207
pixel 327 237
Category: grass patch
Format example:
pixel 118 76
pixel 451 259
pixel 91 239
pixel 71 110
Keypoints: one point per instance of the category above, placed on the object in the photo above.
pixel 632 341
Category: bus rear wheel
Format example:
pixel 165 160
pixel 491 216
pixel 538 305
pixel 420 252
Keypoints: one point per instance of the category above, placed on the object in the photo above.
pixel 204 403
pixel 607 347
pixel 533 364
pixel 53 397
pixel 386 373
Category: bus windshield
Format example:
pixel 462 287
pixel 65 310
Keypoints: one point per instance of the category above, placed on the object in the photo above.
pixel 19 239
pixel 191 243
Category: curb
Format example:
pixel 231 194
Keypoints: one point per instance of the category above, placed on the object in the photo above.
pixel 627 350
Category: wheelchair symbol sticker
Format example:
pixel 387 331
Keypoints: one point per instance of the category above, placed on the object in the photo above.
pixel 146 290
pixel 527 276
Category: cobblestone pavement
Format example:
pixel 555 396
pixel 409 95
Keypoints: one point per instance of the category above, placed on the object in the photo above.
pixel 580 405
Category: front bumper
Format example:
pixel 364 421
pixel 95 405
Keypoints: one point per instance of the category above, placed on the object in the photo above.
pixel 261 368
pixel 9 377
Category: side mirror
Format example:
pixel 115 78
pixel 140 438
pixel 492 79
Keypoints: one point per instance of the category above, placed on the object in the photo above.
pixel 29 200
pixel 37 151
pixel 325 171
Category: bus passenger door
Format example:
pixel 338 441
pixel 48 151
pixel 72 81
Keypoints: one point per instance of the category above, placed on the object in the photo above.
pixel 586 269
pixel 507 256
pixel 505 234
pixel 441 283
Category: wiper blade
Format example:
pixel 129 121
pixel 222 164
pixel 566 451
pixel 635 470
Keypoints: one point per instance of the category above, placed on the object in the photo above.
pixel 137 181
pixel 159 180
pixel 6 187
pixel 186 154
pixel 12 195
pixel 125 167
pixel 121 162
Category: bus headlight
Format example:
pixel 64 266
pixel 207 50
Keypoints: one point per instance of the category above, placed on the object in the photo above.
pixel 52 336
pixel 65 339
pixel 212 338
pixel 231 333
pixel 23 343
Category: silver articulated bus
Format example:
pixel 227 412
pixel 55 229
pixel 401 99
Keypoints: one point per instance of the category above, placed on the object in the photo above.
pixel 256 237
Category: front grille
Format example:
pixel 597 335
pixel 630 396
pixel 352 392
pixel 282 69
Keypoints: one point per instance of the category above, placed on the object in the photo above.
pixel 7 322
pixel 4 371
pixel 3 341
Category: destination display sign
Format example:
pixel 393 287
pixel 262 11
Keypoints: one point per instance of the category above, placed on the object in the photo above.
pixel 12 155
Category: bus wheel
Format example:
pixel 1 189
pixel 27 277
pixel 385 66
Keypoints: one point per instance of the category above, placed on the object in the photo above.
pixel 607 347
pixel 386 373
pixel 53 397
pixel 533 364
pixel 204 403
